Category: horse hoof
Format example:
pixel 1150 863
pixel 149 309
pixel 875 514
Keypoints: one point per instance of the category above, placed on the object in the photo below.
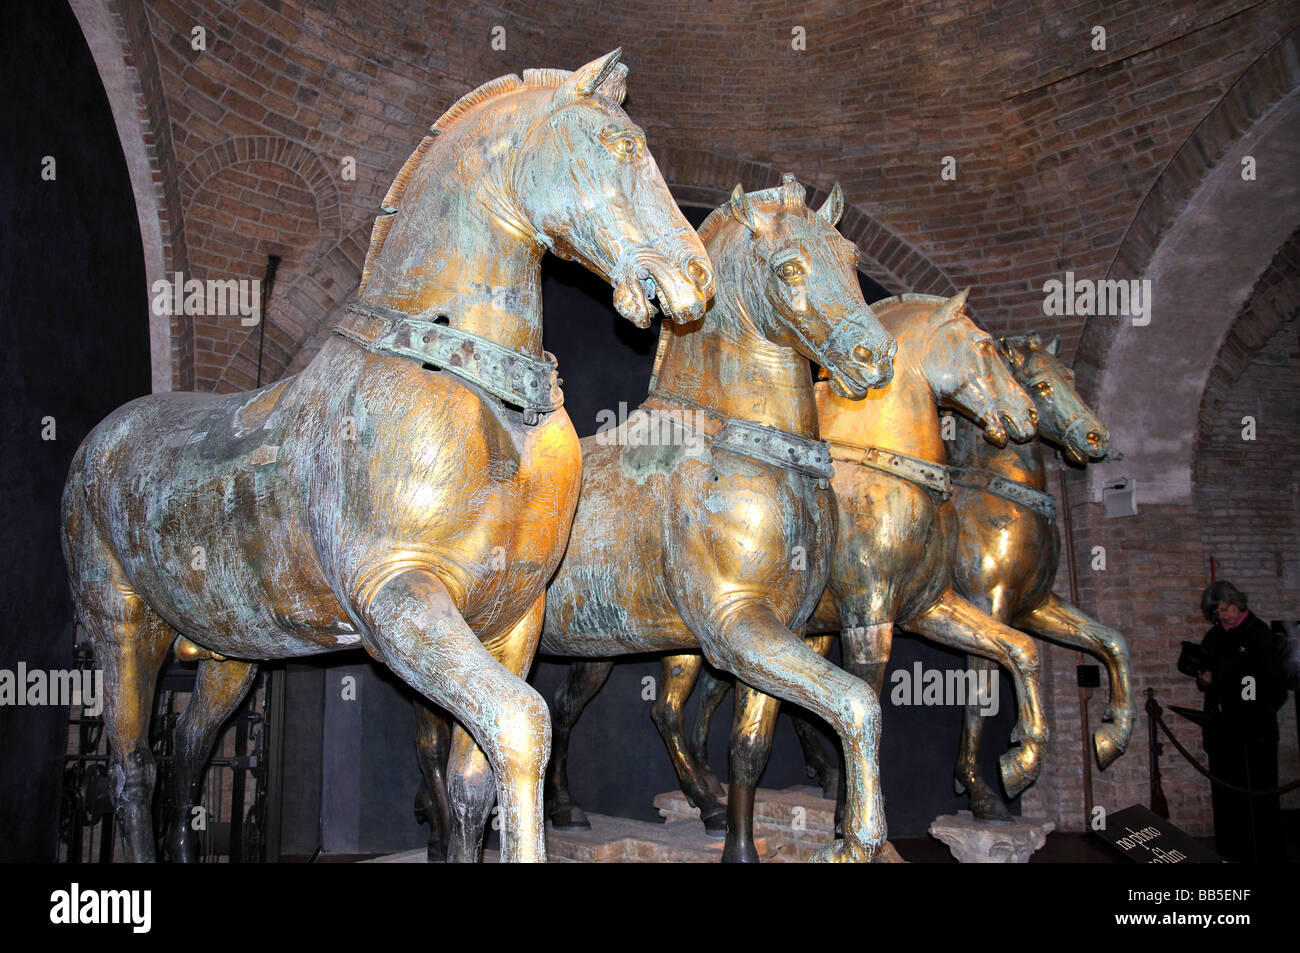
pixel 985 805
pixel 844 852
pixel 1110 741
pixel 888 855
pixel 569 818
pixel 715 824
pixel 1019 768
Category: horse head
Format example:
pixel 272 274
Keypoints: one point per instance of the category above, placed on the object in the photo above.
pixel 585 180
pixel 1063 417
pixel 961 364
pixel 794 276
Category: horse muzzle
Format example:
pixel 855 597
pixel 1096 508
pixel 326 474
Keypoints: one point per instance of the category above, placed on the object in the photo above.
pixel 682 286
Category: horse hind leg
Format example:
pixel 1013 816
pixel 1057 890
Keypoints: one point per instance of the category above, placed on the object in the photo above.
pixel 985 803
pixel 581 683
pixel 219 688
pixel 712 691
pixel 679 674
pixel 131 642
pixel 752 730
pixel 432 748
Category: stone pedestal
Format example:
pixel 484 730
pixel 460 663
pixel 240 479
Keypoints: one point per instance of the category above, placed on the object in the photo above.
pixel 795 823
pixel 616 840
pixel 789 826
pixel 990 842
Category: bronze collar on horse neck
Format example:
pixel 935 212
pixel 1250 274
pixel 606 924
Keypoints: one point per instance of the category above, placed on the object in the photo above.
pixel 928 475
pixel 517 379
pixel 976 478
pixel 806 455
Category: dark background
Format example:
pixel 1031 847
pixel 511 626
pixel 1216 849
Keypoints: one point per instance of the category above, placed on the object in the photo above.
pixel 74 342
pixel 75 346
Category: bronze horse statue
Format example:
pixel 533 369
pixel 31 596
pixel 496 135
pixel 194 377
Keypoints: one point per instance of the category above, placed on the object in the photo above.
pixel 715 535
pixel 411 490
pixel 1008 547
pixel 1005 562
pixel 891 560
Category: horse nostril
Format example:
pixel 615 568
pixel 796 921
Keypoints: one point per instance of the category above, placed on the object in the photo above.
pixel 699 273
pixel 1093 438
pixel 864 355
pixel 1033 417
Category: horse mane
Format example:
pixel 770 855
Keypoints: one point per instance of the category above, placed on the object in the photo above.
pixel 491 90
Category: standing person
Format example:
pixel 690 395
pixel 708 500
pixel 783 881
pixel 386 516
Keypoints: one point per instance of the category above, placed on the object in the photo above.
pixel 1244 687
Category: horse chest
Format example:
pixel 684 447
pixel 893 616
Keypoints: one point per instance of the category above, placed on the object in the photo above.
pixel 1003 548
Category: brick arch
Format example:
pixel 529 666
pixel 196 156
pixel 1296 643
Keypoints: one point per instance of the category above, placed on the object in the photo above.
pixel 707 178
pixel 278 151
pixel 1274 302
pixel 117 33
pixel 1202 237
pixel 1270 78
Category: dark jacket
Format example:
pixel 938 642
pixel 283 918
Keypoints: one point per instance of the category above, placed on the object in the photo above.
pixel 1249 649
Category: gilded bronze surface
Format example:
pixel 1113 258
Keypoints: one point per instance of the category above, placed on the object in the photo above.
pixel 703 546
pixel 892 563
pixel 369 500
pixel 1007 553
pixel 892 560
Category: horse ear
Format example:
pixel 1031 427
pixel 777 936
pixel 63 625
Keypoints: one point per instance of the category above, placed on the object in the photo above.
pixel 952 307
pixel 833 207
pixel 1054 346
pixel 741 210
pixel 1011 352
pixel 586 80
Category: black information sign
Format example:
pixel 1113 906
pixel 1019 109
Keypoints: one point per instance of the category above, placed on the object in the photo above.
pixel 1146 838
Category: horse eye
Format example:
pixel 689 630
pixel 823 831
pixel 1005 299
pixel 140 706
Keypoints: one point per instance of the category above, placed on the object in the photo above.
pixel 1043 387
pixel 789 270
pixel 627 147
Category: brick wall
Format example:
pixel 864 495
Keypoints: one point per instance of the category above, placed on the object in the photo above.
pixel 1056 144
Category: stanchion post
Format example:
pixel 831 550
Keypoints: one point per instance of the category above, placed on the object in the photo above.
pixel 1158 803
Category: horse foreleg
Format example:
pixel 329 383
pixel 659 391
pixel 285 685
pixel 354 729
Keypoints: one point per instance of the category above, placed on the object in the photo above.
pixel 218 689
pixel 985 803
pixel 678 676
pixel 411 623
pixel 1057 620
pixel 432 747
pixel 752 729
pixel 583 680
pixel 712 691
pixel 471 787
pixel 751 643
pixel 954 621
pixel 130 646
pixel 822 763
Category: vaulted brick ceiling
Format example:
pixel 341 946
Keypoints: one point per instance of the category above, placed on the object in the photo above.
pixel 1056 144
